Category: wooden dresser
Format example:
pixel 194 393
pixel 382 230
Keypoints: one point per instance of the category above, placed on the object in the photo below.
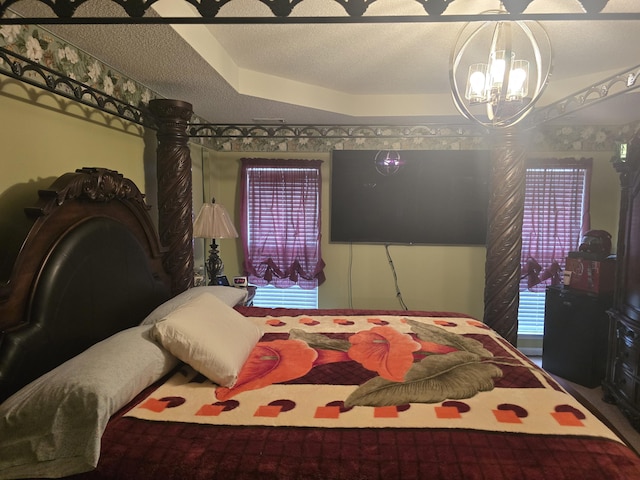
pixel 622 382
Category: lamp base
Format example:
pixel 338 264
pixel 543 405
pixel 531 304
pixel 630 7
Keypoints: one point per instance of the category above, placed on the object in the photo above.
pixel 214 264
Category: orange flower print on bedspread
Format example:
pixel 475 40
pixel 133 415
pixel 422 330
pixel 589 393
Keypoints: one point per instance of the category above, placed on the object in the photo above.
pixel 269 363
pixel 427 365
pixel 384 350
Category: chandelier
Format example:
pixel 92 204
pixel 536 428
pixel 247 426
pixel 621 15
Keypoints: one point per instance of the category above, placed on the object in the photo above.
pixel 504 66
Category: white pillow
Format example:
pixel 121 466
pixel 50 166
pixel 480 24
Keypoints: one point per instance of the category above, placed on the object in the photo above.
pixel 231 296
pixel 52 427
pixel 210 336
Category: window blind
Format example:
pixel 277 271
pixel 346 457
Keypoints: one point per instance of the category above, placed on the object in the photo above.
pixel 556 214
pixel 281 222
pixel 292 297
pixel 531 313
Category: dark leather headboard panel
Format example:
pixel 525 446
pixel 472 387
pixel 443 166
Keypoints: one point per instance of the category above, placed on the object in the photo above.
pixel 98 277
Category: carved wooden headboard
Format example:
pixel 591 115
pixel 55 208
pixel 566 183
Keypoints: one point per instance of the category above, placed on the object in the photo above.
pixel 90 266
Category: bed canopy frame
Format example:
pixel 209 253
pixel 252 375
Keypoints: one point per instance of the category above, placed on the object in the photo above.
pixel 282 9
pixel 172 120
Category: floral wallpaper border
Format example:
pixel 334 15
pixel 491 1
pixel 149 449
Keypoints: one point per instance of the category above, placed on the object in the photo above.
pixel 39 45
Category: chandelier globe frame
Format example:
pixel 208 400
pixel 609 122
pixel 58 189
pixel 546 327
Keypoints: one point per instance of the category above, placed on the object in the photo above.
pixel 499 70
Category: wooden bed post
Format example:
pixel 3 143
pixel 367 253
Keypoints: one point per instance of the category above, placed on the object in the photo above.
pixel 504 233
pixel 175 203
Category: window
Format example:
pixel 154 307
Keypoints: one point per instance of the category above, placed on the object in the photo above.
pixel 556 215
pixel 292 297
pixel 281 228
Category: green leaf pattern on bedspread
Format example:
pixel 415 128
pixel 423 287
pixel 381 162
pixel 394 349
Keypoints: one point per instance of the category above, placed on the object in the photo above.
pixel 457 374
pixel 439 335
pixel 454 375
pixel 319 341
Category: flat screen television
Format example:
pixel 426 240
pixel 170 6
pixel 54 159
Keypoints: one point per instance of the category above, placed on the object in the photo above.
pixel 409 196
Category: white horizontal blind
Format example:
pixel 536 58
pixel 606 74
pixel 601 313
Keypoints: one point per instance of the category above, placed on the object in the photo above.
pixel 531 313
pixel 292 297
pixel 553 219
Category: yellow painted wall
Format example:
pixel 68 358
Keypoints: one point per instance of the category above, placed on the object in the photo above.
pixel 39 143
pixel 447 278
pixel 199 163
pixel 44 136
pixel 359 276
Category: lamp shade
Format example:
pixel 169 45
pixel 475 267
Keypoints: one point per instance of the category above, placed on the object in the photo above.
pixel 213 221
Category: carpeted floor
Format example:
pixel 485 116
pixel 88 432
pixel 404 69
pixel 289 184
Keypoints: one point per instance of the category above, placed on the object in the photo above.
pixel 610 414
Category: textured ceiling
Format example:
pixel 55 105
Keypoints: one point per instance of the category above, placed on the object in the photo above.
pixel 391 73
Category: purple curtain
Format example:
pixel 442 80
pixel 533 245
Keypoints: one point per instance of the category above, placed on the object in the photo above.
pixel 556 216
pixel 281 222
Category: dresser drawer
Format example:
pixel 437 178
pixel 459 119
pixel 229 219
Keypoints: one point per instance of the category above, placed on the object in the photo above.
pixel 625 383
pixel 627 347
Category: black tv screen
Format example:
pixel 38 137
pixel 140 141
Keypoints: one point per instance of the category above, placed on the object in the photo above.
pixel 422 197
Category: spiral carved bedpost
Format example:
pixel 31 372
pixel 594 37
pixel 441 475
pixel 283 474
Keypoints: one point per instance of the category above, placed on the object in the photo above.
pixel 504 233
pixel 175 204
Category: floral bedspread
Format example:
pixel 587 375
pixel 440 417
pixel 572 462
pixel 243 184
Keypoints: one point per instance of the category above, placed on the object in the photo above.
pixel 378 371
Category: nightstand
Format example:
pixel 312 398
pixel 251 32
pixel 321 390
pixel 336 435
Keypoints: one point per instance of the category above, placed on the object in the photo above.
pixel 576 330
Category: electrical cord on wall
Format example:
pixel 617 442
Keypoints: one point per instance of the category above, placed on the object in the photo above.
pixel 395 278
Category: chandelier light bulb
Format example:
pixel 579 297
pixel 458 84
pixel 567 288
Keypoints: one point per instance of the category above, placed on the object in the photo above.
pixel 518 81
pixel 498 67
pixel 497 72
pixel 477 82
